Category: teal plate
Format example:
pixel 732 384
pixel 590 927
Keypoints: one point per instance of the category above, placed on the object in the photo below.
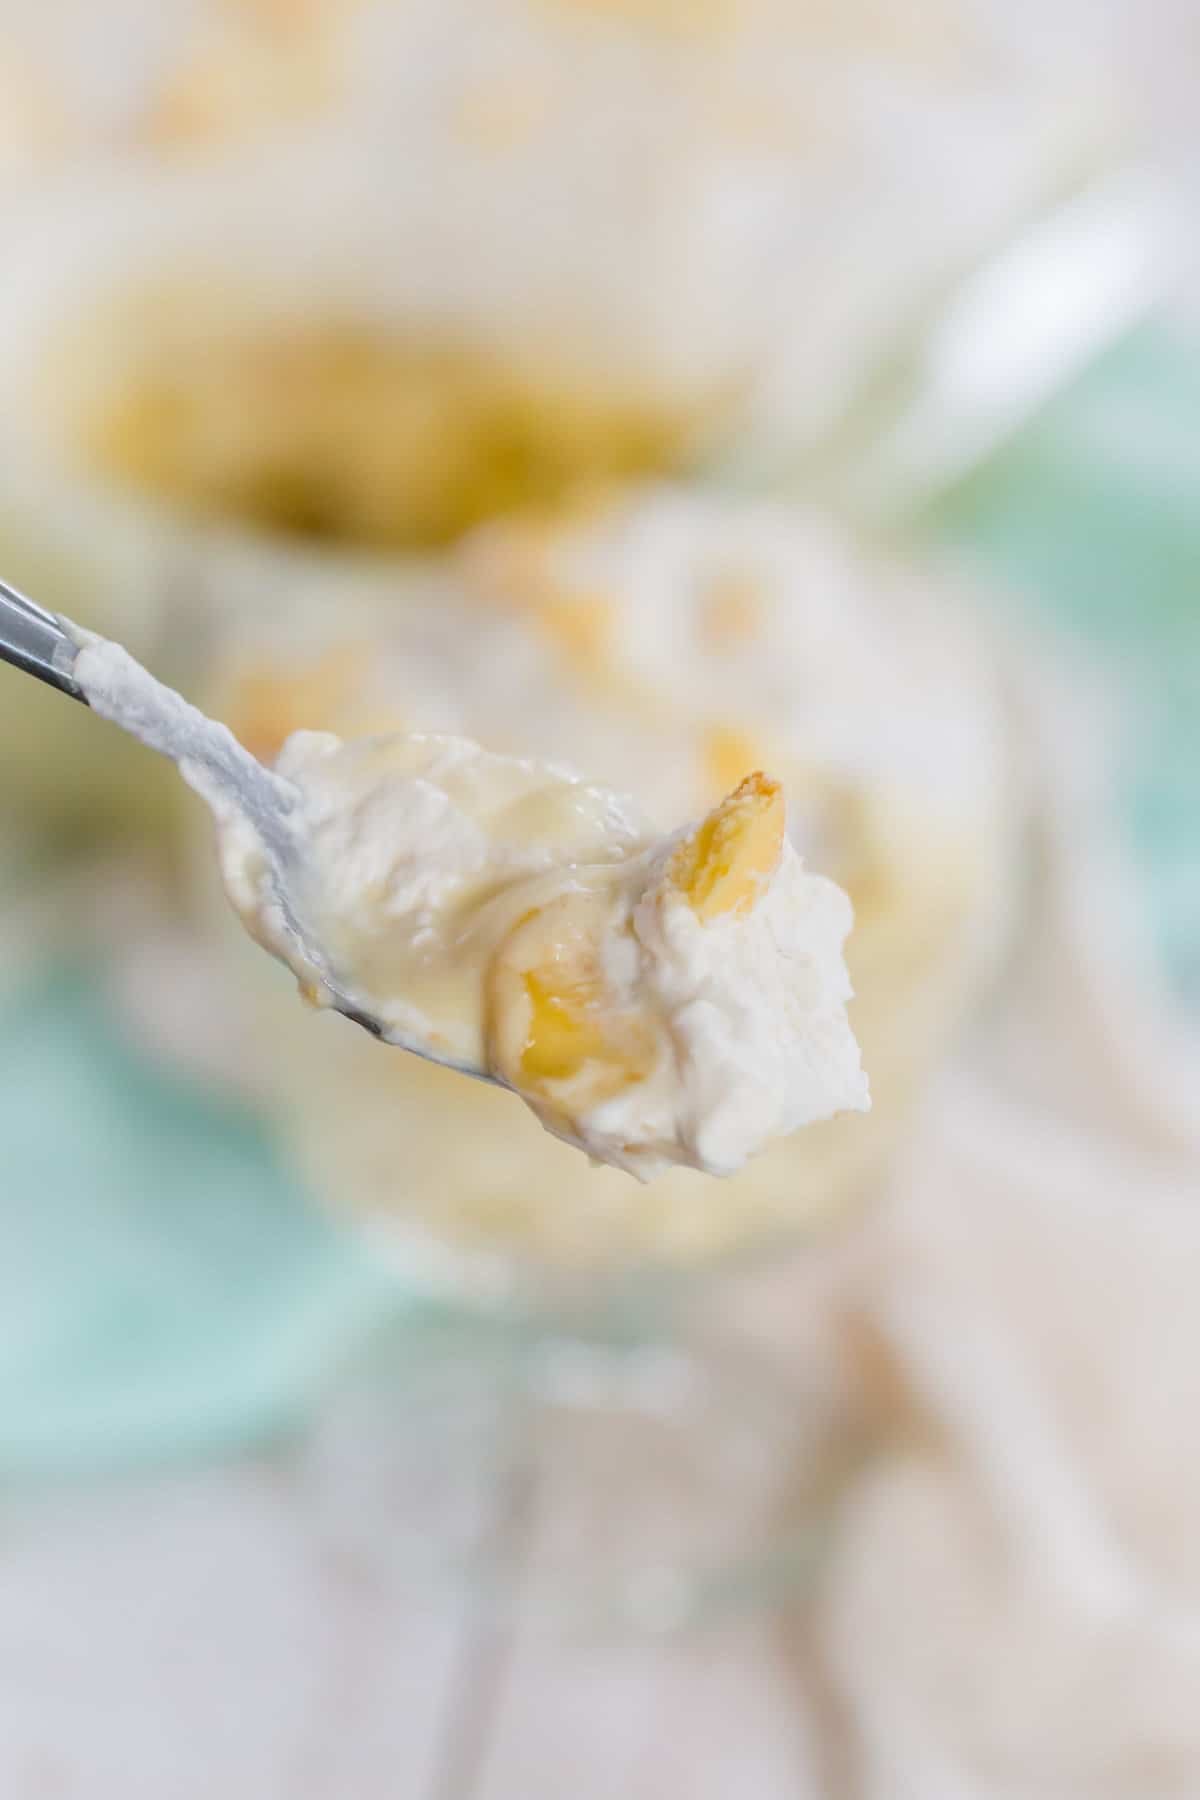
pixel 165 1287
pixel 1092 517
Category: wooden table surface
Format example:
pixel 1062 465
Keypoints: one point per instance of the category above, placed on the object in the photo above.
pixel 200 1635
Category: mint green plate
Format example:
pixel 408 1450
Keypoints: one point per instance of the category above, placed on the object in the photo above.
pixel 1092 520
pixel 165 1288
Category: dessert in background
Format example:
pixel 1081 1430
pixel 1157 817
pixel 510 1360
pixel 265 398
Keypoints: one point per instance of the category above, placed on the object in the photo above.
pixel 358 277
pixel 667 641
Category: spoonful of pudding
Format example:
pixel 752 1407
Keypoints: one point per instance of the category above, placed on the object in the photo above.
pixel 655 1000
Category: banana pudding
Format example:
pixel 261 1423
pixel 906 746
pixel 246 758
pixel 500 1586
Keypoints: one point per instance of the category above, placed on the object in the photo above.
pixel 655 1002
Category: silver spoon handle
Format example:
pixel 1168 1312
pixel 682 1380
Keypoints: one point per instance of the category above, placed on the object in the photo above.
pixel 36 641
pixel 41 644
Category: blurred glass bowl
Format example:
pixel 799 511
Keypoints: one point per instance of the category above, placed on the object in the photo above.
pixel 507 251
pixel 667 641
pixel 516 245
pixel 577 1346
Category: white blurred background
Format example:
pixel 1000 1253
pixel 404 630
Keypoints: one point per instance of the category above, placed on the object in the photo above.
pixel 874 1474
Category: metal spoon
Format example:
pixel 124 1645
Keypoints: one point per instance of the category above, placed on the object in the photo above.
pixel 43 645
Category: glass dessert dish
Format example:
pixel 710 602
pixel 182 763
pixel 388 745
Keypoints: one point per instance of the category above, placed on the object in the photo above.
pixel 353 279
pixel 512 247
pixel 340 282
pixel 670 639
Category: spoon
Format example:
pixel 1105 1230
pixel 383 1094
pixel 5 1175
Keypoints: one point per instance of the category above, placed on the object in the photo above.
pixel 211 759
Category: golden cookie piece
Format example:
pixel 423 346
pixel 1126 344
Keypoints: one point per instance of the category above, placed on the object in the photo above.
pixel 725 864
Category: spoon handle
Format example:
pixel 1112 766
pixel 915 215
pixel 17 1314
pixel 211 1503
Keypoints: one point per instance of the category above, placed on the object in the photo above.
pixel 41 644
pixel 36 641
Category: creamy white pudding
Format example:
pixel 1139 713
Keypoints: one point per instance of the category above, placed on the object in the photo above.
pixel 655 1000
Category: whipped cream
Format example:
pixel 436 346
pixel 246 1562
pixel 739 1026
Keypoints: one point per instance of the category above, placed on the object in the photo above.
pixel 654 1001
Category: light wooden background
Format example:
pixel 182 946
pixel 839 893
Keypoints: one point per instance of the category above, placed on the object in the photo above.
pixel 199 1635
